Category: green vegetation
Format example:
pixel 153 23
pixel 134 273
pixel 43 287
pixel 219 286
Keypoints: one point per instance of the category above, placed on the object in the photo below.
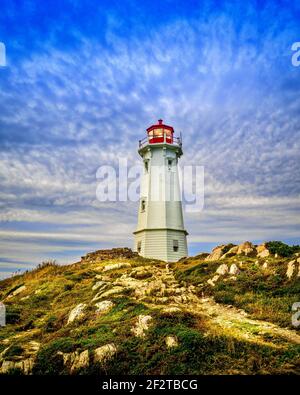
pixel 13 350
pixel 266 294
pixel 206 345
pixel 282 249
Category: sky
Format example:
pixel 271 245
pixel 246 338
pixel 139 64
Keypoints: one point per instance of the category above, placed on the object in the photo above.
pixel 84 79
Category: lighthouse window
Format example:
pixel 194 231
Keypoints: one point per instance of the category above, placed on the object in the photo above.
pixel 139 246
pixel 169 163
pixel 175 245
pixel 146 166
pixel 143 204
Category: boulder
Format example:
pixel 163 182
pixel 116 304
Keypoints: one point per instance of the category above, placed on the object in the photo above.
pixel 113 291
pixel 77 312
pixel 25 366
pixel 171 341
pixel 142 325
pixel 213 280
pixel 231 252
pixel 115 266
pixel 75 360
pixel 104 353
pixel 99 284
pixel 290 269
pixel 141 274
pixel 17 291
pixel 246 248
pixel 81 361
pixel 234 269
pixel 222 269
pixel 216 253
pixel 210 282
pixel 104 306
pixel 262 251
pixel 7 366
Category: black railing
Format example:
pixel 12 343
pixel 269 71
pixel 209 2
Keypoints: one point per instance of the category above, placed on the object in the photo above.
pixel 166 139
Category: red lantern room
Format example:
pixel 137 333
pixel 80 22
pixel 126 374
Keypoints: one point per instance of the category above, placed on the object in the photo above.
pixel 160 133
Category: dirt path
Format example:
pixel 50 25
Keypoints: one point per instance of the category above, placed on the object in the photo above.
pixel 220 318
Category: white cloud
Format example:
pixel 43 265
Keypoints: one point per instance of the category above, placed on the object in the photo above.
pixel 66 113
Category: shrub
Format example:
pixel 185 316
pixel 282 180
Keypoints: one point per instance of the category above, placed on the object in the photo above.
pixel 13 314
pixel 68 287
pixel 51 324
pixel 282 249
pixel 228 247
pixel 50 263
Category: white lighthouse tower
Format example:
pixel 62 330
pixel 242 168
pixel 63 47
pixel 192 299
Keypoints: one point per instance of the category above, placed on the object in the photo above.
pixel 160 231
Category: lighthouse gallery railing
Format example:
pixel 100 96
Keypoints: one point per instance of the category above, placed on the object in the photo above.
pixel 166 139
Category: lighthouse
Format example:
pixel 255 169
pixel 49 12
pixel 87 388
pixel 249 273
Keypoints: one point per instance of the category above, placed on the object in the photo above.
pixel 160 232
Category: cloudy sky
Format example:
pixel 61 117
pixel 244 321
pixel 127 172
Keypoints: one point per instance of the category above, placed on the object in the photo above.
pixel 84 79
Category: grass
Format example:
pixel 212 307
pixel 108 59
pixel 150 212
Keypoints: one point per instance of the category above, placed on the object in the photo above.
pixel 265 294
pixel 52 291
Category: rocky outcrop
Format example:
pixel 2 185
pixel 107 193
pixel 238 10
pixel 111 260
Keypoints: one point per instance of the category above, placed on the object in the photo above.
pixel 262 251
pixel 290 269
pixel 228 250
pixel 142 325
pixel 216 253
pixel 171 341
pixel 232 251
pixel 212 281
pixel 234 270
pixel 23 362
pixel 104 353
pixel 141 273
pixel 222 269
pixel 104 306
pixel 99 285
pixel 246 248
pixel 76 360
pixel 110 292
pixel 16 291
pixel 77 313
pixel 24 365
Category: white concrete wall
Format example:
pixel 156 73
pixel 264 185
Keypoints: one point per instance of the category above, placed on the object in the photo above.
pixel 162 219
pixel 158 244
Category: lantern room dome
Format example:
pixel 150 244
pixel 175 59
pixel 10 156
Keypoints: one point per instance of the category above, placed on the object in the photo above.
pixel 160 125
pixel 160 133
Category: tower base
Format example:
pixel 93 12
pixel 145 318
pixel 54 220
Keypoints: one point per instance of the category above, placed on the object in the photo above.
pixel 168 245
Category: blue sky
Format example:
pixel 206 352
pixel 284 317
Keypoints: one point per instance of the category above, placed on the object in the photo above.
pixel 85 78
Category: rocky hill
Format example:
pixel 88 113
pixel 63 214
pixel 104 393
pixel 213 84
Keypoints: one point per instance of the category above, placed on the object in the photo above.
pixel 228 312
